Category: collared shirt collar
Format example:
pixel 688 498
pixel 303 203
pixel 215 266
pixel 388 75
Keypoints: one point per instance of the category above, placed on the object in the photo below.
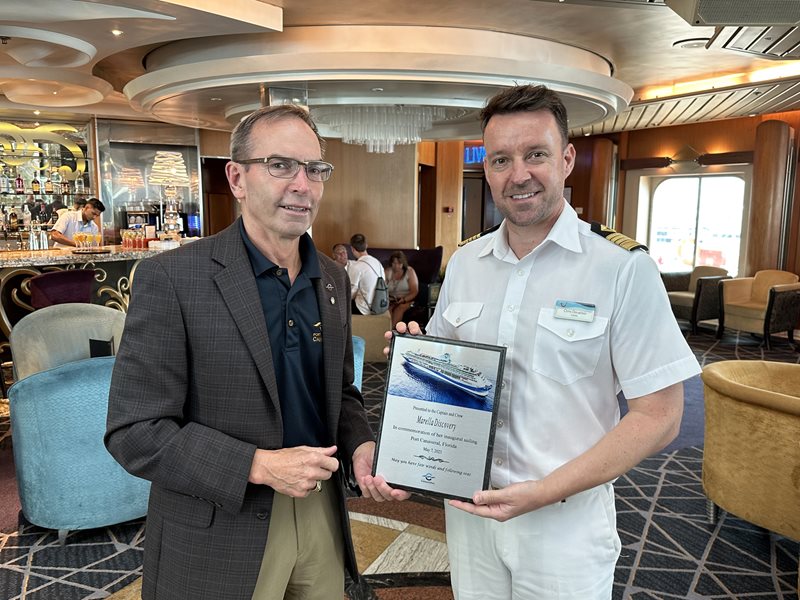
pixel 261 264
pixel 564 233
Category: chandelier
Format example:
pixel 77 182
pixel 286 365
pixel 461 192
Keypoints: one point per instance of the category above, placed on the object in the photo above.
pixel 379 127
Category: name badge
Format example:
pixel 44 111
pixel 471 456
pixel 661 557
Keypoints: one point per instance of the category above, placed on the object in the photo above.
pixel 574 311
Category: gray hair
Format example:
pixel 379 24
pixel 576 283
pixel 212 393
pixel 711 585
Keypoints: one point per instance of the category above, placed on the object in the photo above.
pixel 240 137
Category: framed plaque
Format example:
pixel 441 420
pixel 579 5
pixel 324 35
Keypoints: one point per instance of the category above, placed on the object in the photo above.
pixel 439 411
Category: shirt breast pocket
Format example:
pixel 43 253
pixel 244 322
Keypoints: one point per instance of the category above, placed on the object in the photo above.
pixel 463 316
pixel 567 350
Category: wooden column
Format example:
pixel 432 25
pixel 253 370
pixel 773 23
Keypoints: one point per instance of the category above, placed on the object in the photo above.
pixel 600 180
pixel 771 155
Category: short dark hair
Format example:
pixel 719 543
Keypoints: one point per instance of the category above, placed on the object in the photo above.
pixel 527 98
pixel 359 242
pixel 240 137
pixel 95 203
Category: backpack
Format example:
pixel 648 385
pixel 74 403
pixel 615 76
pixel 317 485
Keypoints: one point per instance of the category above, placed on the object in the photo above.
pixel 380 300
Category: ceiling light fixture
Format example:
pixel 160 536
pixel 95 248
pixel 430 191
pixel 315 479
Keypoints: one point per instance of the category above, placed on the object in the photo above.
pixel 117 32
pixel 37 112
pixel 380 127
pixel 691 43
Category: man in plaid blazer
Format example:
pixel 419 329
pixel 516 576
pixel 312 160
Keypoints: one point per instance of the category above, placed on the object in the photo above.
pixel 233 390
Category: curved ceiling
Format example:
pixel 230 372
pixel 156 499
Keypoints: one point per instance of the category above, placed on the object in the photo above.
pixel 619 64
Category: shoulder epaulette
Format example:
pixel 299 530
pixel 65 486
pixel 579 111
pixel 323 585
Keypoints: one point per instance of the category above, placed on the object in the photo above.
pixel 623 241
pixel 478 235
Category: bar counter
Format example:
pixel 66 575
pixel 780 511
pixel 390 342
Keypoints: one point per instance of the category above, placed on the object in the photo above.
pixel 114 272
pixel 66 256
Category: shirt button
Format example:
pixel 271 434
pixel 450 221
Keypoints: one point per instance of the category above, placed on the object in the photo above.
pixel 503 384
pixel 570 332
pixel 333 300
pixel 279 272
pixel 291 322
pixel 261 515
pixel 500 422
pixel 510 308
pixel 458 319
pixel 498 461
pixel 521 273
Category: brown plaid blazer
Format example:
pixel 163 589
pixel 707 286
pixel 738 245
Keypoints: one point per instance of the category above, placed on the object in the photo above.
pixel 194 394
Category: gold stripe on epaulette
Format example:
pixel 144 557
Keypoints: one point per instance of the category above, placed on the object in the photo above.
pixel 623 241
pixel 478 235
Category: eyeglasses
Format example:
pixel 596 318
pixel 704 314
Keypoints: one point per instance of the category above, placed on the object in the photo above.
pixel 286 168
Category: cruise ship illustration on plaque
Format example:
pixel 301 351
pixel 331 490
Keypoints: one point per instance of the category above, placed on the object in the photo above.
pixel 443 369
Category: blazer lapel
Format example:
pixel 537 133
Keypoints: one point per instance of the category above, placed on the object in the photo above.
pixel 332 343
pixel 237 285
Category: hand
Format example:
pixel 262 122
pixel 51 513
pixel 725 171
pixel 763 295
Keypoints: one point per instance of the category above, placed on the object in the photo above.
pixel 293 471
pixel 501 505
pixel 412 327
pixel 373 487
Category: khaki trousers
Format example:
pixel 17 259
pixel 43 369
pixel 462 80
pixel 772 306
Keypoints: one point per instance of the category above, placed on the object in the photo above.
pixel 304 557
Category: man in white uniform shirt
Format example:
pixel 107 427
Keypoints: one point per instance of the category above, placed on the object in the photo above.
pixel 364 273
pixel 73 221
pixel 582 319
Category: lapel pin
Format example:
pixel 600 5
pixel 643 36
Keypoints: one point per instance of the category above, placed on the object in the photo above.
pixel 329 287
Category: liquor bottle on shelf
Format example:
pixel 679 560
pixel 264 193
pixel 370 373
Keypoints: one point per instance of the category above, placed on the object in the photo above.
pixel 26 217
pixel 19 184
pixel 66 190
pixel 36 187
pixel 5 183
pixel 48 184
pixel 12 219
pixel 55 178
pixel 80 188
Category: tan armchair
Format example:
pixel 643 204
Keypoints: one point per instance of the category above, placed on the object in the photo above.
pixel 766 303
pixel 751 455
pixel 694 296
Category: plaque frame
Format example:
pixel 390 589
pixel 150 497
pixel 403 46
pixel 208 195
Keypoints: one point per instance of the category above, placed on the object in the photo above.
pixel 439 414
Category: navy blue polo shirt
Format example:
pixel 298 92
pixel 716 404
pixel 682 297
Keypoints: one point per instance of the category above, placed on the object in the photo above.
pixel 295 336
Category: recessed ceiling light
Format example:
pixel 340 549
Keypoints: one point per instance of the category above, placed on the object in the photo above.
pixel 377 89
pixel 691 43
pixel 117 32
pixel 587 134
pixel 36 123
pixel 752 115
pixel 215 99
pixel 55 92
pixel 37 112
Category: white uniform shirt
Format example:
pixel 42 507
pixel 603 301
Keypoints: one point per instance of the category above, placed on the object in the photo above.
pixel 70 222
pixel 561 376
pixel 364 274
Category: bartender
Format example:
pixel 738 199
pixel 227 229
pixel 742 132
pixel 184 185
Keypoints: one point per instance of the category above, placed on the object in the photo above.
pixel 73 221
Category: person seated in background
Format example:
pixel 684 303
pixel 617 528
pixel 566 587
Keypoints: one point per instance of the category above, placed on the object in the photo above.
pixel 73 221
pixel 339 253
pixel 401 279
pixel 364 273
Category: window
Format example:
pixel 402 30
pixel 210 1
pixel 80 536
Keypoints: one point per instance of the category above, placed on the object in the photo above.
pixel 697 220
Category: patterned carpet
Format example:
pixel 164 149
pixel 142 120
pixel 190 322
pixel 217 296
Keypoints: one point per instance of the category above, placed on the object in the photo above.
pixel 669 549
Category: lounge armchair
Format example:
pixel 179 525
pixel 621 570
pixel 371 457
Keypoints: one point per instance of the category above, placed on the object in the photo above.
pixel 67 479
pixel 767 303
pixel 751 454
pixel 694 296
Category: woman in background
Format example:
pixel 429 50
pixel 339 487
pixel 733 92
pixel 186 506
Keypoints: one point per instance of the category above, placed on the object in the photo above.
pixel 403 285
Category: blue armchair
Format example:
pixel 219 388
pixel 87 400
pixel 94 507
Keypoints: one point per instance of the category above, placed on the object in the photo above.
pixel 67 479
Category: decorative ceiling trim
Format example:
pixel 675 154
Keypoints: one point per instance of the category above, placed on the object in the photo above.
pixel 311 56
pixel 252 12
pixel 52 87
pixel 40 48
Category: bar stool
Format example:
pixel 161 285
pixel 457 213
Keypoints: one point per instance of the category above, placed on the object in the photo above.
pixel 60 287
